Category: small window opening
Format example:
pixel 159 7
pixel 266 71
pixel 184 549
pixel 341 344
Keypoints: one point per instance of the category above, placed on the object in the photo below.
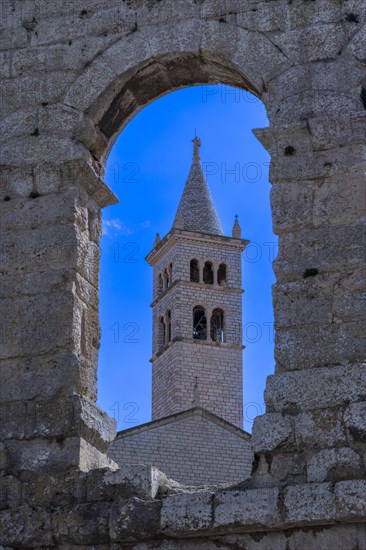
pixel 208 273
pixel 221 275
pixel 195 272
pixel 199 323
pixel 167 279
pixel 162 333
pixel 169 325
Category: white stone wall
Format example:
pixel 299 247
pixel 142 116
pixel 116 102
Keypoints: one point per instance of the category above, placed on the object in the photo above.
pixel 219 375
pixel 191 450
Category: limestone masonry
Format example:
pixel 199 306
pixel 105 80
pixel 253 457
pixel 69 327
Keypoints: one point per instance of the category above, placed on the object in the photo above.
pixel 73 73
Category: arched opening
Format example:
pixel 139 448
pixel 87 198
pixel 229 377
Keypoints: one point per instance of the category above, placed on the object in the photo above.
pixel 130 228
pixel 221 275
pixel 166 279
pixel 199 323
pixel 169 325
pixel 208 274
pixel 194 271
pixel 217 326
pixel 162 333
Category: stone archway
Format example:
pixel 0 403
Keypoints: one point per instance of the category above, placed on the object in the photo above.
pixel 304 63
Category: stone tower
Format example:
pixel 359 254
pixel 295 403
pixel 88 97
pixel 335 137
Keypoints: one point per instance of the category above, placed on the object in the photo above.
pixel 197 309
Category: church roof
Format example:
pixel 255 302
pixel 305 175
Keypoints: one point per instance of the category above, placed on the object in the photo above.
pixel 194 411
pixel 196 210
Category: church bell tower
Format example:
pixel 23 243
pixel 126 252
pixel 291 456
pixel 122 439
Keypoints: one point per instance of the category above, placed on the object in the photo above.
pixel 197 309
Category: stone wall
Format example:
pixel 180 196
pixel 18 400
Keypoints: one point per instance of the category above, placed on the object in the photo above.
pixel 219 374
pixel 73 74
pixel 193 448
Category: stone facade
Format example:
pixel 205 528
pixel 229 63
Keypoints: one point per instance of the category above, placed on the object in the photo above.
pixel 193 447
pixel 73 74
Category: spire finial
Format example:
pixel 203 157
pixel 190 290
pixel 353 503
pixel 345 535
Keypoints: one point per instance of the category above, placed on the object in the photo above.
pixel 196 149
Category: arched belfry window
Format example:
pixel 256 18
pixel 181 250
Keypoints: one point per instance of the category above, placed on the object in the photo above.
pixel 221 275
pixel 167 279
pixel 194 271
pixel 217 325
pixel 199 323
pixel 169 325
pixel 162 333
pixel 208 273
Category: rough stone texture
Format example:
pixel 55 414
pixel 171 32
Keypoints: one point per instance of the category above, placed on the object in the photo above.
pixel 72 75
pixel 194 447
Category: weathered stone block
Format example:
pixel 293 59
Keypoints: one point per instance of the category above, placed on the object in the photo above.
pixel 4 457
pixel 355 421
pixel 42 249
pixel 58 418
pixel 319 344
pixel 309 389
pixel 31 213
pixel 129 480
pixel 336 203
pixel 29 329
pixel 351 499
pixel 318 429
pixel 11 492
pixel 45 377
pixel 187 512
pixel 272 432
pixel 48 455
pixel 81 524
pixel 136 520
pixel 334 464
pixel 26 526
pixel 292 206
pixel 298 299
pixel 246 507
pixel 325 248
pixel 310 502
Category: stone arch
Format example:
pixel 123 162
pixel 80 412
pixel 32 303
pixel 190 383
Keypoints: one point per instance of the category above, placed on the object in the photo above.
pixel 314 91
pixel 132 73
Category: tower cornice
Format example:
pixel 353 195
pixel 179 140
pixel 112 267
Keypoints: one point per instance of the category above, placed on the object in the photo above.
pixel 183 235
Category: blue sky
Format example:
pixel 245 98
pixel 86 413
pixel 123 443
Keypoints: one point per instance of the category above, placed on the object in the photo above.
pixel 147 169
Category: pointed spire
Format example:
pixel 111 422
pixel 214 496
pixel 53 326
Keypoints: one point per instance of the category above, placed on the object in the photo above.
pixel 236 231
pixel 196 210
pixel 157 239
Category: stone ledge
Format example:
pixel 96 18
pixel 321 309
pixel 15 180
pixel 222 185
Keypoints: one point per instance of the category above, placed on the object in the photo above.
pixel 57 418
pixel 102 507
pixel 245 510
